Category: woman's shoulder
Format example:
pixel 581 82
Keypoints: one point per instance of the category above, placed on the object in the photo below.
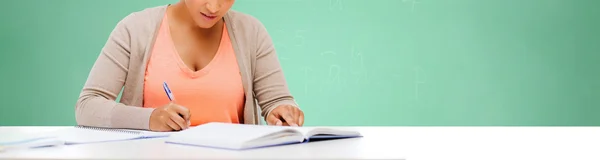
pixel 138 27
pixel 244 21
pixel 147 17
pixel 249 28
pixel 241 17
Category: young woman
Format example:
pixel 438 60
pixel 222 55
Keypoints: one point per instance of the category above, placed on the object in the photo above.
pixel 220 66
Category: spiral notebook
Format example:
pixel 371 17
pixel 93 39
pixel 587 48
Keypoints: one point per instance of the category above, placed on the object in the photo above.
pixel 74 135
pixel 85 134
pixel 27 141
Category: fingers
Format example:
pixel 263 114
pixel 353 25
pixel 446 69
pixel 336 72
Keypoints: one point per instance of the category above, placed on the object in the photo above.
pixel 287 116
pixel 172 124
pixel 291 120
pixel 298 115
pixel 300 118
pixel 183 111
pixel 178 120
pixel 170 117
pixel 273 120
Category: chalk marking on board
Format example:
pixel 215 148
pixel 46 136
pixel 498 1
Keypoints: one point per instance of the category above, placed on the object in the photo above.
pixel 337 73
pixel 412 9
pixel 306 70
pixel 413 3
pixel 333 77
pixel 417 82
pixel 299 36
pixel 362 72
pixel 328 52
pixel 359 76
pixel 281 30
pixel 334 3
pixel 358 54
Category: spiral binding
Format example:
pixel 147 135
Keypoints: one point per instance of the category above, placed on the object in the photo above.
pixel 109 129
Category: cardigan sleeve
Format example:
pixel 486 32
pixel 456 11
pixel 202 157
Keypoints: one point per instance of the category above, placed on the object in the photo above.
pixel 96 105
pixel 270 86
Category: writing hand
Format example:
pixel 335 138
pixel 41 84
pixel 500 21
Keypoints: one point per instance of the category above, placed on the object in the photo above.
pixel 170 117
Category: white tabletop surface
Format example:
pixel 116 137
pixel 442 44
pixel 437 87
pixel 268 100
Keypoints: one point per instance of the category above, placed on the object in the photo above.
pixel 491 143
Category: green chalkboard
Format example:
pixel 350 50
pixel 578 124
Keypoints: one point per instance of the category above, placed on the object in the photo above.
pixel 348 62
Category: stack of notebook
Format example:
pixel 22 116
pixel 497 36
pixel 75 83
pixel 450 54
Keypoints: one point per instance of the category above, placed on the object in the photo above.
pixel 74 135
pixel 213 135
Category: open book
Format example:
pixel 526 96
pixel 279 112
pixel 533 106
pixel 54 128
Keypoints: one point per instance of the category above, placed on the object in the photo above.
pixel 244 136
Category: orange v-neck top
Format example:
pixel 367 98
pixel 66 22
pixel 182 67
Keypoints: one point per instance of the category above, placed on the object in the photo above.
pixel 212 94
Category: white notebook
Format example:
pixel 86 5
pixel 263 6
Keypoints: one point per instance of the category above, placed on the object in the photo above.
pixel 74 135
pixel 27 141
pixel 245 136
pixel 83 134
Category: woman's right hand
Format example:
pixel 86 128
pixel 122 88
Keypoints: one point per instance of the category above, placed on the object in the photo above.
pixel 170 117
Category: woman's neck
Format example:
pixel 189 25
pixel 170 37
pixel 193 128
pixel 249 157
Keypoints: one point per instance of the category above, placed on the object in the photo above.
pixel 180 18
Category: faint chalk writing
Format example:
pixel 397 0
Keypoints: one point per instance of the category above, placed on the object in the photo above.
pixel 335 5
pixel 299 38
pixel 417 81
pixel 333 78
pixel 334 73
pixel 413 3
pixel 328 53
pixel 306 79
pixel 357 56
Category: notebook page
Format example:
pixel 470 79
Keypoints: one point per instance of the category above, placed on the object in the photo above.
pixel 80 135
pixel 30 143
pixel 147 134
pixel 9 139
pixel 139 132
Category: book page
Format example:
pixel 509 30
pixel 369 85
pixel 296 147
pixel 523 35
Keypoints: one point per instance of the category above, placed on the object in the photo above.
pixel 306 131
pixel 236 132
pixel 311 131
pixel 227 135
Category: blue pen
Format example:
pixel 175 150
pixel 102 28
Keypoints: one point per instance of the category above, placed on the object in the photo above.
pixel 168 91
pixel 170 95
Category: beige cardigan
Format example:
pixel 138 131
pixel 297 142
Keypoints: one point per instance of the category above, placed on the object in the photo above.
pixel 122 62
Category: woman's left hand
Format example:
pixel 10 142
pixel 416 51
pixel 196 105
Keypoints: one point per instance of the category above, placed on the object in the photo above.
pixel 286 115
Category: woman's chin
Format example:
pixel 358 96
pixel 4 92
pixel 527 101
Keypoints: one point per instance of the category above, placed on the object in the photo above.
pixel 206 24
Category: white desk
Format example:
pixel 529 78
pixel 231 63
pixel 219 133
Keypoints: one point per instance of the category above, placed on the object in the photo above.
pixel 502 143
